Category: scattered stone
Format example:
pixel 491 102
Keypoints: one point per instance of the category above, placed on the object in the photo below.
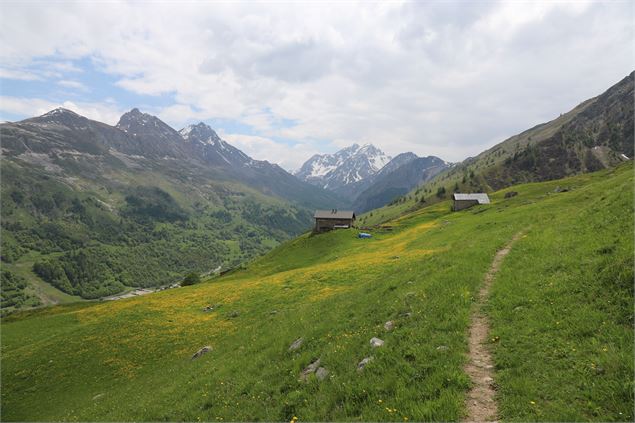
pixel 511 194
pixel 233 314
pixel 389 325
pixel 560 189
pixel 376 342
pixel 321 373
pixel 405 314
pixel 395 257
pixel 210 307
pixel 296 344
pixel 274 312
pixel 410 282
pixel 363 363
pixel 599 370
pixel 96 397
pixel 311 368
pixel 443 348
pixel 518 308
pixel 202 351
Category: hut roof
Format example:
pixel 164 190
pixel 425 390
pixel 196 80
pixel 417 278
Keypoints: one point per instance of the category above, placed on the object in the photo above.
pixel 334 214
pixel 480 197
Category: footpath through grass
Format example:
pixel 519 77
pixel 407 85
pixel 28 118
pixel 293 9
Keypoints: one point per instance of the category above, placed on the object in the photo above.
pixel 130 359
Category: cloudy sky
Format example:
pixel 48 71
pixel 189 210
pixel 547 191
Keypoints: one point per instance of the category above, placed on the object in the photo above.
pixel 285 80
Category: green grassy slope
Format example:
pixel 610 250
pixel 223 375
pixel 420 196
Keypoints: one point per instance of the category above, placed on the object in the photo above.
pixel 561 312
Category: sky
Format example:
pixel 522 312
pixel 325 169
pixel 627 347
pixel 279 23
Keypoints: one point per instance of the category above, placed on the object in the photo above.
pixel 285 80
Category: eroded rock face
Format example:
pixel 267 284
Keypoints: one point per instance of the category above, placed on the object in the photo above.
pixel 202 351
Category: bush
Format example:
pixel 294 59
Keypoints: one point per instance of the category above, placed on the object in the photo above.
pixel 191 279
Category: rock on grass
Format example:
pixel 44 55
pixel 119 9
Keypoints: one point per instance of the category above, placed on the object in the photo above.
pixel 376 342
pixel 296 344
pixel 311 368
pixel 202 351
pixel 363 363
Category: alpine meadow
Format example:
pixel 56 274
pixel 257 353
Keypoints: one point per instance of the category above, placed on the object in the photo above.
pixel 294 212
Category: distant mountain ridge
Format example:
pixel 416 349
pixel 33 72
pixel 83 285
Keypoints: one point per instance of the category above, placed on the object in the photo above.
pixel 394 181
pixel 347 166
pixel 106 207
pixel 367 176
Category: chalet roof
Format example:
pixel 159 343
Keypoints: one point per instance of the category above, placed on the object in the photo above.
pixel 480 197
pixel 334 214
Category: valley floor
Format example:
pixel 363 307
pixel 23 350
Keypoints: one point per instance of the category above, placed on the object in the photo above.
pixel 560 311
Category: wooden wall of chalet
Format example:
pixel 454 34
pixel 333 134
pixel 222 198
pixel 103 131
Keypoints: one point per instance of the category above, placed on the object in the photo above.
pixel 322 225
pixel 464 204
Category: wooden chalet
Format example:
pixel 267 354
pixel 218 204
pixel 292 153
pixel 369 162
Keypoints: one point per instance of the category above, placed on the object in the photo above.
pixel 327 220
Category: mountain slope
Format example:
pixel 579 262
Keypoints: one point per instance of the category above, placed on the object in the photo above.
pixel 394 181
pixel 96 209
pixel 596 134
pixel 565 283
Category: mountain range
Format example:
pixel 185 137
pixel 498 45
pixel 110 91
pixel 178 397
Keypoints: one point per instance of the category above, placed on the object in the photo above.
pixel 367 176
pixel 95 208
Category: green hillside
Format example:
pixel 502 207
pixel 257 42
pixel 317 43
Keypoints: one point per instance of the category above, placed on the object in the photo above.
pixel 93 238
pixel 90 210
pixel 561 310
pixel 596 134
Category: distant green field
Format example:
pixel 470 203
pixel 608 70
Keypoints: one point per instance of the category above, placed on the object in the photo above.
pixel 561 312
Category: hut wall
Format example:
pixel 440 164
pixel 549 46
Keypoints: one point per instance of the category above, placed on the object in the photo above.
pixel 464 204
pixel 322 225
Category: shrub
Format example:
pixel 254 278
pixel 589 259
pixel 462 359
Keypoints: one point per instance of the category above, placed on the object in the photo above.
pixel 191 279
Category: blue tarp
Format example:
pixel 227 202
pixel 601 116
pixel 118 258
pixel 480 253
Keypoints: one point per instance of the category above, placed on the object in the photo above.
pixel 364 235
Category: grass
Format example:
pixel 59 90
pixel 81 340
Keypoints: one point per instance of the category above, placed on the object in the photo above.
pixel 130 359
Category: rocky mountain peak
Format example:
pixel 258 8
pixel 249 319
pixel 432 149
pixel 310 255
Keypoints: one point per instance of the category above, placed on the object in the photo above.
pixel 60 111
pixel 200 132
pixel 347 166
pixel 136 119
pixel 62 116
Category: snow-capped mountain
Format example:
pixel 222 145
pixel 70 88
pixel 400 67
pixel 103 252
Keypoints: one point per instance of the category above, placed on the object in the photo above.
pixel 348 166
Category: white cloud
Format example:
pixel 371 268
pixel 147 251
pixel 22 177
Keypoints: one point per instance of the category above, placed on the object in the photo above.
pixel 75 85
pixel 102 112
pixel 19 75
pixel 445 78
pixel 262 148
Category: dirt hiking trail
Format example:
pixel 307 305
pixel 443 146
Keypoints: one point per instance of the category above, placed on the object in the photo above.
pixel 481 404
